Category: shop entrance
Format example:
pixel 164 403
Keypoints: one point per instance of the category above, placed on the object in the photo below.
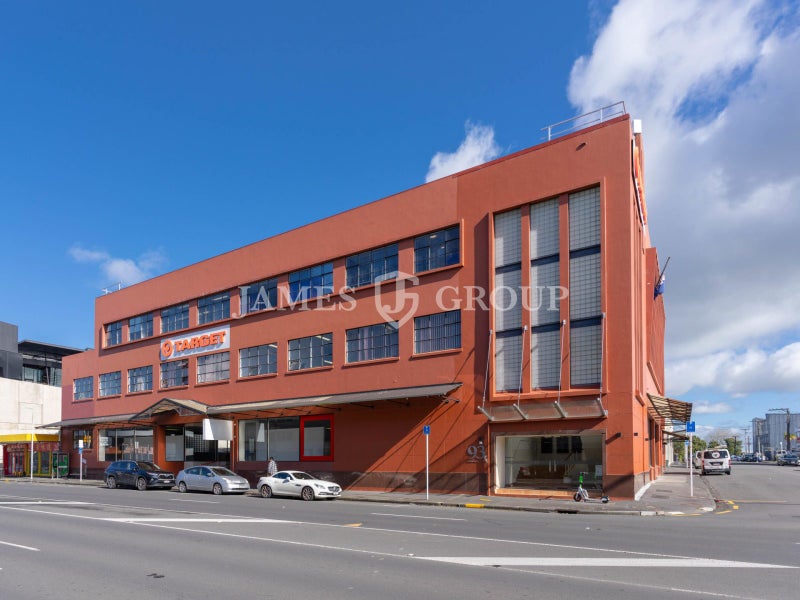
pixel 186 443
pixel 549 462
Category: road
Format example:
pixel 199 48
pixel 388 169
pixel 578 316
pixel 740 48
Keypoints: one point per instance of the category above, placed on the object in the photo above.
pixel 75 542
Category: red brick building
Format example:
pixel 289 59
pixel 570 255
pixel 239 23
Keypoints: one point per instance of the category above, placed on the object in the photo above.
pixel 510 307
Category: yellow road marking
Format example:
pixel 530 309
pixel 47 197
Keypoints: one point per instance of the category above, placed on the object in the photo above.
pixel 353 525
pixel 474 505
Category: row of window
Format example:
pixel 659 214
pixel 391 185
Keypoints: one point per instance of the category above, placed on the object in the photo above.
pixel 431 251
pixel 432 333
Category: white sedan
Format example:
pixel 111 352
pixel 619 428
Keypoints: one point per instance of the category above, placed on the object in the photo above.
pixel 299 484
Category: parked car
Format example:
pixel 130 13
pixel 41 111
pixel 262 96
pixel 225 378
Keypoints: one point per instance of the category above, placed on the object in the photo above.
pixel 298 484
pixel 137 473
pixel 716 460
pixel 697 460
pixel 217 480
pixel 789 459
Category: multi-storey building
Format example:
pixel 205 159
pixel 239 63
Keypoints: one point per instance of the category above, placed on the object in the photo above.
pixel 508 309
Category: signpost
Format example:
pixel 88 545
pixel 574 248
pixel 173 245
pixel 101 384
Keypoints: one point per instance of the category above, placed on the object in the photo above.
pixel 80 462
pixel 426 430
pixel 690 430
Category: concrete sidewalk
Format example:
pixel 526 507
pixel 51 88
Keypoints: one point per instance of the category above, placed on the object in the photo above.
pixel 669 495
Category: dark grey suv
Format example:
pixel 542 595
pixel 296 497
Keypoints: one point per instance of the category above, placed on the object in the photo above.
pixel 139 474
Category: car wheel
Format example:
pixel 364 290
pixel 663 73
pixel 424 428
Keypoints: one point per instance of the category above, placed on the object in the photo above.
pixel 111 482
pixel 217 489
pixel 266 491
pixel 728 472
pixel 141 484
pixel 307 494
pixel 577 497
pixel 182 487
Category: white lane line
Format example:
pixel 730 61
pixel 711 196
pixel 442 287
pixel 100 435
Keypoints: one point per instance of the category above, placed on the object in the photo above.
pixel 417 517
pixel 43 502
pixel 547 561
pixel 188 520
pixel 194 501
pixel 20 546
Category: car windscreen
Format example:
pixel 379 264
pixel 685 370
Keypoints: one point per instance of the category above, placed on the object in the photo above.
pixel 301 475
pixel 223 471
pixel 148 466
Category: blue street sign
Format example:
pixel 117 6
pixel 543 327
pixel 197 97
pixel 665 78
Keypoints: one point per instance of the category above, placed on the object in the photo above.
pixel 690 427
pixel 80 450
pixel 426 429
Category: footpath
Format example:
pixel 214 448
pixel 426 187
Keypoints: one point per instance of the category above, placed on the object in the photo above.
pixel 668 495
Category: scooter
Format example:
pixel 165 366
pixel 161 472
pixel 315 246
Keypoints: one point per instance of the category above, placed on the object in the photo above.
pixel 583 496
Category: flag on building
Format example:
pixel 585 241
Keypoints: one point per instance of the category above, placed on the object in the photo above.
pixel 659 289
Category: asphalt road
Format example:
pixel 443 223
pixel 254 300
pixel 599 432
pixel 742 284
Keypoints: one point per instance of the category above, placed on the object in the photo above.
pixel 75 542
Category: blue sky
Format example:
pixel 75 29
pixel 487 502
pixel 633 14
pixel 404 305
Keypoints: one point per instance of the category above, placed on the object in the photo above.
pixel 142 137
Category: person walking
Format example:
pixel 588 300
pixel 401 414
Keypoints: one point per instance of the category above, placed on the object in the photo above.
pixel 272 467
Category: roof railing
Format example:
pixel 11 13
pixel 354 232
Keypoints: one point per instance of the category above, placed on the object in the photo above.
pixel 586 120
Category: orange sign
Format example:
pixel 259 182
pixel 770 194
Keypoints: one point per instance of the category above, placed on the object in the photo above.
pixel 200 342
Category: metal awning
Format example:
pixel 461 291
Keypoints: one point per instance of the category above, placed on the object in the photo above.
pixel 89 421
pixel 440 391
pixel 182 407
pixel 669 409
pixel 678 435
pixel 546 410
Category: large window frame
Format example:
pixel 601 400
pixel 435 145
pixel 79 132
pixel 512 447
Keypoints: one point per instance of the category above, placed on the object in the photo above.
pixel 312 352
pixel 438 332
pixel 113 333
pixel 310 437
pixel 312 282
pixel 140 327
pixel 258 360
pixel 174 373
pixel 372 342
pixel 259 296
pixel 83 388
pixel 140 379
pixel 213 308
pixel 214 367
pixel 366 268
pixel 437 249
pixel 174 318
pixel 109 384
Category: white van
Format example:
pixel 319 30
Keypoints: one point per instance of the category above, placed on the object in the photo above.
pixel 716 460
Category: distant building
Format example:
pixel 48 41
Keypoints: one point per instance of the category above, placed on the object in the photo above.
pixel 30 395
pixel 774 431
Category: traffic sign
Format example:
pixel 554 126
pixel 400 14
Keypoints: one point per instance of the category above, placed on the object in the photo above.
pixel 426 429
pixel 690 427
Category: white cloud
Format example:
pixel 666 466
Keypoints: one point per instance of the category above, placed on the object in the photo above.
pixel 477 148
pixel 752 370
pixel 126 271
pixel 711 408
pixel 715 85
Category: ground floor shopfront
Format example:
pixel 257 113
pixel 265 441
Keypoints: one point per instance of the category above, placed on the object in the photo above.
pixel 21 458
pixel 376 441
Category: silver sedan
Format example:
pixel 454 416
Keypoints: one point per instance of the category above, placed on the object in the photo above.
pixel 217 480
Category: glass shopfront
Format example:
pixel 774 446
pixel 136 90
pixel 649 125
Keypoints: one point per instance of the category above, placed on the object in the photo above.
pixel 132 443
pixel 549 462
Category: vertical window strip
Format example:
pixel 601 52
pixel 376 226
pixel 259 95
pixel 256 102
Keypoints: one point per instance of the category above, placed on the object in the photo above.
pixel 545 292
pixel 584 285
pixel 586 353
pixel 544 229
pixel 508 299
pixel 545 357
pixel 508 359
pixel 584 219
pixel 507 238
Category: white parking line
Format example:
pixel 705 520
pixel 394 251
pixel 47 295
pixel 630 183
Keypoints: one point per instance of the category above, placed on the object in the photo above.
pixel 194 501
pixel 188 520
pixel 43 502
pixel 417 517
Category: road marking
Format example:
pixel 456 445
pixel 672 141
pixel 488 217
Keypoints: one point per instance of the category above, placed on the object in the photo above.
pixel 188 520
pixel 19 546
pixel 43 502
pixel 546 561
pixel 418 517
pixel 195 501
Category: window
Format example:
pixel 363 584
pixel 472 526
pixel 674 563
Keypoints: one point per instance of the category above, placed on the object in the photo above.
pixel 508 300
pixel 174 318
pixel 140 327
pixel 311 352
pixel 259 296
pixel 311 283
pixel 368 267
pixel 586 341
pixel 213 367
pixel 214 308
pixel 545 293
pixel 441 331
pixel 114 333
pixel 372 342
pixel 316 437
pixel 82 434
pixel 140 379
pixel 438 249
pixel 258 360
pixel 110 384
pixel 83 388
pixel 175 373
pixel 286 438
pixel 125 444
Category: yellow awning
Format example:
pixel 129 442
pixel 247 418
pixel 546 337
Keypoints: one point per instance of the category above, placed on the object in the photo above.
pixel 13 438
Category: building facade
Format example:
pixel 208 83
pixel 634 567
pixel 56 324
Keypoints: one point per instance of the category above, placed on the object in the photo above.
pixel 30 395
pixel 507 310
